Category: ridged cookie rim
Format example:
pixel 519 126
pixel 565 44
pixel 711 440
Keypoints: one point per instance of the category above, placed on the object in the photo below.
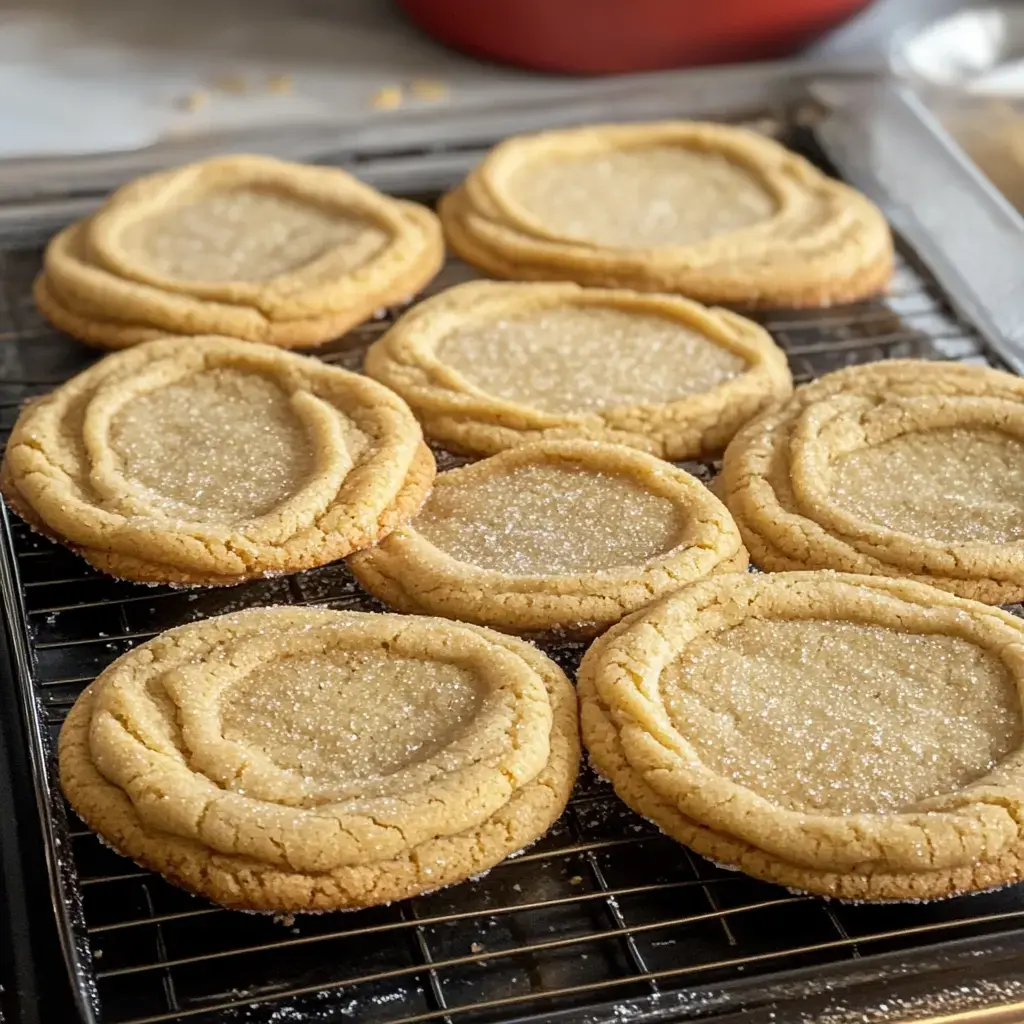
pixel 138 570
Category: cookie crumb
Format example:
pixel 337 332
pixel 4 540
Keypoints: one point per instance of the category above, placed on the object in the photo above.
pixel 476 947
pixel 195 100
pixel 430 89
pixel 576 880
pixel 236 84
pixel 388 98
pixel 281 84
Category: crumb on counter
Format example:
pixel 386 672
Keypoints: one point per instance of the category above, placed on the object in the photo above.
pixel 236 84
pixel 195 100
pixel 388 98
pixel 429 89
pixel 280 83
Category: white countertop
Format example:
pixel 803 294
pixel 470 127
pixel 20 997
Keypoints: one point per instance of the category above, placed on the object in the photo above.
pixel 96 76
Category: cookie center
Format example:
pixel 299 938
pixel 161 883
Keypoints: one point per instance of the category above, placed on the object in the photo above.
pixel 343 717
pixel 220 446
pixel 549 520
pixel 583 359
pixel 637 198
pixel 247 235
pixel 950 485
pixel 843 718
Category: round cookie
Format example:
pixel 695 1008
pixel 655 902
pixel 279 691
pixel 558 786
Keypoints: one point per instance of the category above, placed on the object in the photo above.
pixel 901 468
pixel 206 754
pixel 850 736
pixel 715 212
pixel 247 247
pixel 565 536
pixel 487 366
pixel 211 461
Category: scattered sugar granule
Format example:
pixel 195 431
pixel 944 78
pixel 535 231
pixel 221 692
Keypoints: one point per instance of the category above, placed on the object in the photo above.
pixel 195 100
pixel 236 84
pixel 388 98
pixel 280 84
pixel 429 89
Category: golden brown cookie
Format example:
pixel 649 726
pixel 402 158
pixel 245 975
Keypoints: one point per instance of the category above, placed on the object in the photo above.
pixel 248 247
pixel 846 735
pixel 487 366
pixel 715 212
pixel 286 759
pixel 564 536
pixel 901 468
pixel 211 461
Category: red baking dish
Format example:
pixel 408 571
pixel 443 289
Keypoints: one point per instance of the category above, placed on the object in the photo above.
pixel 600 36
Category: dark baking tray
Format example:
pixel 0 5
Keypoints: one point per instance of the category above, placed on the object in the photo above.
pixel 604 919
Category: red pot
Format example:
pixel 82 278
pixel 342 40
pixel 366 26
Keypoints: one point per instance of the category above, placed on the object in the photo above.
pixel 598 36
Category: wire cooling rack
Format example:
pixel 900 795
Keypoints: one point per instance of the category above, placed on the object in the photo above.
pixel 603 919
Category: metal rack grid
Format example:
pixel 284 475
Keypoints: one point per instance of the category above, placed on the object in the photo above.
pixel 603 909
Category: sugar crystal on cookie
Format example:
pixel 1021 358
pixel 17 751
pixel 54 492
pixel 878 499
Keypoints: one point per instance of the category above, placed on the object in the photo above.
pixel 647 196
pixel 247 235
pixel 583 359
pixel 838 717
pixel 543 519
pixel 220 446
pixel 953 485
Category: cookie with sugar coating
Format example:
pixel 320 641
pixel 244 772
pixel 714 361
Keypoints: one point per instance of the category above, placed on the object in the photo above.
pixel 488 366
pixel 850 736
pixel 712 211
pixel 244 246
pixel 212 461
pixel 278 806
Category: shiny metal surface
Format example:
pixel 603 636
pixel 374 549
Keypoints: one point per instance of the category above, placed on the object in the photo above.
pixel 979 50
pixel 967 67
